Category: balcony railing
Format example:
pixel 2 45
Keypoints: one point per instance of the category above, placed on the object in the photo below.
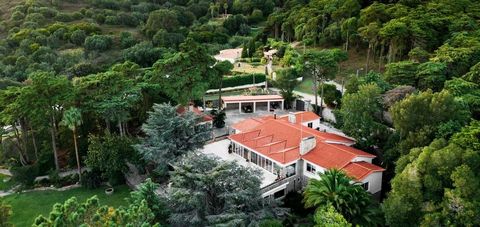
pixel 277 183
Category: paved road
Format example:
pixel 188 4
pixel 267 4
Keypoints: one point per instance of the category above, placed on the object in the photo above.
pixel 327 113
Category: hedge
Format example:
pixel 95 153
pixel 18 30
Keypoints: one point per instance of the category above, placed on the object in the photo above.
pixel 240 80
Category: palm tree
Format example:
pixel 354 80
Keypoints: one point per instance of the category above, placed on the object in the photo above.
pixel 350 200
pixel 72 118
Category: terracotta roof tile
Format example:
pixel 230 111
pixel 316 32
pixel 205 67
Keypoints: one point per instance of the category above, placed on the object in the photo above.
pixel 304 116
pixel 360 170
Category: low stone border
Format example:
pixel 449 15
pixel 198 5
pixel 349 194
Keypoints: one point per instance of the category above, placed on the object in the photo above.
pixel 65 188
pixel 5 172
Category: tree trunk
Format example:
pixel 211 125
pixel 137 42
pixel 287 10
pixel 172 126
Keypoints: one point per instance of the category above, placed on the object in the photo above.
pixel 315 91
pixel 34 141
pixel 346 43
pixel 380 59
pixel 368 57
pixel 390 52
pixel 21 156
pixel 219 95
pixel 53 133
pixel 321 97
pixel 23 126
pixel 120 128
pixel 76 154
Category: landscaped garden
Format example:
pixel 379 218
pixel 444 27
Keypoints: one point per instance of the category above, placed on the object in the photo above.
pixel 27 206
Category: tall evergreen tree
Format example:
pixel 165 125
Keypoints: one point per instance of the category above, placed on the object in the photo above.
pixel 207 192
pixel 170 135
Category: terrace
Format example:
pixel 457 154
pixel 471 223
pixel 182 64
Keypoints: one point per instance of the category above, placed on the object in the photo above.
pixel 220 149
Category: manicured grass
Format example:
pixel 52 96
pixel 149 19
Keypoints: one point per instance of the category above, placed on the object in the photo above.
pixel 5 186
pixel 27 206
pixel 305 86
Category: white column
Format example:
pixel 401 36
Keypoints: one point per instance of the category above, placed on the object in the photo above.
pixel 239 107
pixel 268 106
pixel 254 106
pixel 282 105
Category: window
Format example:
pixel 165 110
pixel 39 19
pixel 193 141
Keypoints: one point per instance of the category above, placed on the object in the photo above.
pixel 311 168
pixel 254 158
pixel 310 125
pixel 365 186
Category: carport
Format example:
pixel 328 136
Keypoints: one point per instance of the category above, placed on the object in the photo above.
pixel 262 100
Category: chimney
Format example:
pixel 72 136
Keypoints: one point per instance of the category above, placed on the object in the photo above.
pixel 292 118
pixel 307 144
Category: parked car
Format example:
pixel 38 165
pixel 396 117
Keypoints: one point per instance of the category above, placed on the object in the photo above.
pixel 247 109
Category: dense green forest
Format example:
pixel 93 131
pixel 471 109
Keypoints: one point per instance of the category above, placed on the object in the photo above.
pixel 88 83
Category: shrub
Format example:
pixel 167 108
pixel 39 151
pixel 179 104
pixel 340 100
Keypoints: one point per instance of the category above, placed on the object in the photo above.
pixel 91 179
pixel 127 40
pixel 143 54
pixel 332 96
pixel 98 42
pixel 271 223
pixel 78 37
pixel 25 175
pixel 239 80
pixel 55 178
pixel 255 17
pixel 89 28
pixel 165 39
pixel 109 154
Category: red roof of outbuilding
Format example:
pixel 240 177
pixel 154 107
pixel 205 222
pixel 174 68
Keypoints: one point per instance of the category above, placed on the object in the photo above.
pixel 205 117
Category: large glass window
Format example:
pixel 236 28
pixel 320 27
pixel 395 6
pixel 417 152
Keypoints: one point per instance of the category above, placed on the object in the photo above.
pixel 245 153
pixel 254 158
pixel 269 165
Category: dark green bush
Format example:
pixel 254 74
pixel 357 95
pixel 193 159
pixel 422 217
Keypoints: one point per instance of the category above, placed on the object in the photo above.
pixel 98 42
pixel 25 175
pixel 240 80
pixel 332 96
pixel 91 179
pixel 55 178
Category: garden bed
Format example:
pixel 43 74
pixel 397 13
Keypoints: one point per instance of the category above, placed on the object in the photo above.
pixel 28 205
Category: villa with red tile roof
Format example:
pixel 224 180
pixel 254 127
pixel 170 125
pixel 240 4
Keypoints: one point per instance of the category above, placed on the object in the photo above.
pixel 291 149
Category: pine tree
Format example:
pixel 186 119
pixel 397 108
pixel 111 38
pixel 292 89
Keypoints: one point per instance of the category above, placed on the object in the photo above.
pixel 170 135
pixel 208 192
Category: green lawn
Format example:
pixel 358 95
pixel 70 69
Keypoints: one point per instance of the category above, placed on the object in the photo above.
pixel 305 86
pixel 5 186
pixel 27 206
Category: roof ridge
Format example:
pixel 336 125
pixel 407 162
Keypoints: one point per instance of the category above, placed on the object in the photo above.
pixel 329 144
